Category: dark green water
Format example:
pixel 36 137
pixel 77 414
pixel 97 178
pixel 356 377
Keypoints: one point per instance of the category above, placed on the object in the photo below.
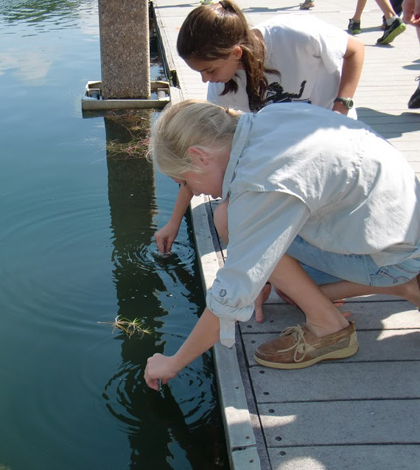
pixel 77 217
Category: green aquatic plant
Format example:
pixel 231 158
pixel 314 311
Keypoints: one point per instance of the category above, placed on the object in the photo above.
pixel 128 326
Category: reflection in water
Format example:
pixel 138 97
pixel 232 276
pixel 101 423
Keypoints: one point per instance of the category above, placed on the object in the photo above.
pixel 39 11
pixel 148 417
pixel 182 428
pixel 76 249
pixel 32 61
pixel 28 66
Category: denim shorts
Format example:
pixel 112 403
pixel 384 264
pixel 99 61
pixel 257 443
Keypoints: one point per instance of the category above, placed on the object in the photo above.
pixel 325 267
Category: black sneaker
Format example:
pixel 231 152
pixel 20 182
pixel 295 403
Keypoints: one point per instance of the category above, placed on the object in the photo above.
pixel 414 102
pixel 397 7
pixel 391 32
pixel 354 27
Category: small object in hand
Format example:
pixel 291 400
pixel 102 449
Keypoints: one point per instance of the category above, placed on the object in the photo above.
pixel 160 389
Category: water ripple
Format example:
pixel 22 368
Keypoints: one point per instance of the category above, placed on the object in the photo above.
pixel 148 258
pixel 188 398
pixel 46 14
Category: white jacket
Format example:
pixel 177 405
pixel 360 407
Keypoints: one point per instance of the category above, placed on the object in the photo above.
pixel 301 169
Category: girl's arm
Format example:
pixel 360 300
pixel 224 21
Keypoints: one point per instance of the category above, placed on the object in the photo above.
pixel 351 71
pixel 205 334
pixel 281 214
pixel 167 234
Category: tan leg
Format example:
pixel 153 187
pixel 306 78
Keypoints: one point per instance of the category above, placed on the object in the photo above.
pixel 359 10
pixel 386 8
pixel 221 224
pixel 259 301
pixel 322 316
pixel 344 289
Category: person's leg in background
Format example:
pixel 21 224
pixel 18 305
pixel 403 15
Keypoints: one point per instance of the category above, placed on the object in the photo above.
pixel 414 102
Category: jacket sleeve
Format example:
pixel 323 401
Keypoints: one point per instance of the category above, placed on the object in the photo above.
pixel 261 225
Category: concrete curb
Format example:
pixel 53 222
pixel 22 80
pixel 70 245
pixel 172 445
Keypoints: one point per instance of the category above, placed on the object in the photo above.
pixel 240 438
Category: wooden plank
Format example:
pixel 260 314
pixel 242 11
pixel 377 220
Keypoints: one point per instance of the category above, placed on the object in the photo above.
pixel 338 381
pixel 342 423
pixel 345 457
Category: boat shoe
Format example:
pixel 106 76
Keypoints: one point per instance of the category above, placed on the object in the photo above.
pixel 297 347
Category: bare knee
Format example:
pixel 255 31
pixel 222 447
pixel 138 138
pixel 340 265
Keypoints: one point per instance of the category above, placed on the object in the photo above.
pixel 221 221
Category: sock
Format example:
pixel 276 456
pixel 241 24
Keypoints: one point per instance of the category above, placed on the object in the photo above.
pixel 389 21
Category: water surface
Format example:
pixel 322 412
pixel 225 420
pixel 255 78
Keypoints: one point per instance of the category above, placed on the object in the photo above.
pixel 78 209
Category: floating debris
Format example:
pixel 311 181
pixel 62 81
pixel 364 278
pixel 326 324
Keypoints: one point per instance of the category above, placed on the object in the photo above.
pixel 128 326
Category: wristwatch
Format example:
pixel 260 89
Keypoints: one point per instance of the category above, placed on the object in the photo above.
pixel 348 102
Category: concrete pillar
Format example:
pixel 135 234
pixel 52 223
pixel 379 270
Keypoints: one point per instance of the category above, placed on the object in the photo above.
pixel 124 38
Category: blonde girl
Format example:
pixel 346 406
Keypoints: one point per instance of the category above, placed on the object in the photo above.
pixel 319 189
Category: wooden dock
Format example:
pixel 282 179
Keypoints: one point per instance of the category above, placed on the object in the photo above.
pixel 362 413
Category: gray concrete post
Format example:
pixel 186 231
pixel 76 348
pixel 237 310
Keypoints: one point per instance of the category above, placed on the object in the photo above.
pixel 125 57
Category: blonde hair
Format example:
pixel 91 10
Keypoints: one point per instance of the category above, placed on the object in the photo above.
pixel 213 31
pixel 191 123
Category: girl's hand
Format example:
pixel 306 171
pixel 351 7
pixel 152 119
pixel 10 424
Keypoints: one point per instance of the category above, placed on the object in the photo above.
pixel 205 334
pixel 411 12
pixel 160 367
pixel 166 236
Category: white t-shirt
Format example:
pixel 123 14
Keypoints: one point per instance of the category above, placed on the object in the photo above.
pixel 306 51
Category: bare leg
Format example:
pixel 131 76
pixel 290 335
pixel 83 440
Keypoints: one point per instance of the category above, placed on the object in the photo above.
pixel 259 301
pixel 386 8
pixel 221 224
pixel 322 317
pixel 359 10
pixel 338 303
pixel 408 291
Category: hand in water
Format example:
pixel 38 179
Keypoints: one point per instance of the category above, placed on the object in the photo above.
pixel 165 237
pixel 160 367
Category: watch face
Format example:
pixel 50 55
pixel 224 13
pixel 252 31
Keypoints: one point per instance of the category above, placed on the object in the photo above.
pixel 348 102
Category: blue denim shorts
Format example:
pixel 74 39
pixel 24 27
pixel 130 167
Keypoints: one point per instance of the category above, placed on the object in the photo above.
pixel 325 267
